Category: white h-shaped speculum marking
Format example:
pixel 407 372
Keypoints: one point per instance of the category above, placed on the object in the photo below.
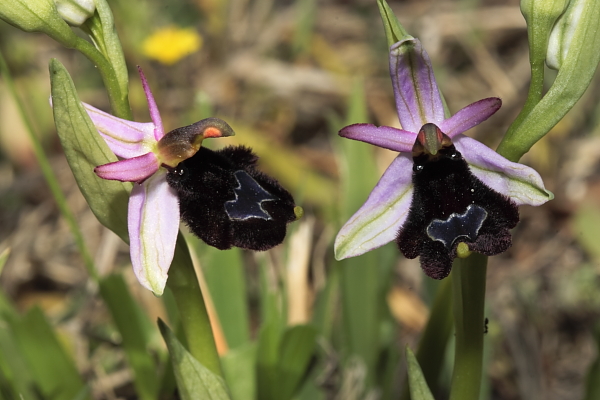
pixel 466 225
pixel 249 196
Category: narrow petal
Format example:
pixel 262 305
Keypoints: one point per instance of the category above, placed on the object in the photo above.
pixel 377 222
pixel 517 181
pixel 417 97
pixel 470 116
pixel 125 138
pixel 135 169
pixel 154 114
pixel 153 221
pixel 382 136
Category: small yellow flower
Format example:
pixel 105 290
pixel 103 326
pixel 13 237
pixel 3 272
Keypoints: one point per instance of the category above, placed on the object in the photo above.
pixel 170 44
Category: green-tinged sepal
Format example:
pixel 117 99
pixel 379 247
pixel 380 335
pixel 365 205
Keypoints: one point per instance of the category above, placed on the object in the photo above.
pixel 394 32
pixel 38 16
pixel 561 36
pixel 75 12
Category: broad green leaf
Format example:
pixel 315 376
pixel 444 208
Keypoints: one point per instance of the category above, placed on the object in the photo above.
pixel 85 150
pixel 37 16
pixel 52 368
pixel 194 381
pixel 240 372
pixel 418 386
pixel 135 330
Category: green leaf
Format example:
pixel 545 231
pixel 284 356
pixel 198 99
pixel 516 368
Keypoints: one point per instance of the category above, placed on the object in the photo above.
pixel 135 330
pixel 416 381
pixel 193 379
pixel 37 16
pixel 15 372
pixel 266 361
pixel 240 372
pixel 296 349
pixel 85 150
pixel 282 360
pixel 52 369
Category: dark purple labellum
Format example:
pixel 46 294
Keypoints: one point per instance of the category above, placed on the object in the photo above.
pixel 449 206
pixel 227 202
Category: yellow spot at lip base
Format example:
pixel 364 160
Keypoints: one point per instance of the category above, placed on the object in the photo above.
pixel 170 44
pixel 298 212
pixel 462 250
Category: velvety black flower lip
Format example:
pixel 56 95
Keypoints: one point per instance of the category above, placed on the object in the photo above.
pixel 462 220
pixel 451 206
pixel 227 202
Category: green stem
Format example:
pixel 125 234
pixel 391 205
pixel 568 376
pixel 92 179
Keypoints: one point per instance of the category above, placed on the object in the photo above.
pixel 51 179
pixel 192 310
pixel 119 101
pixel 534 96
pixel 468 290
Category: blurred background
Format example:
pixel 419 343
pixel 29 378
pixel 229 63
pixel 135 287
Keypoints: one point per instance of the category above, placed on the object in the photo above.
pixel 282 73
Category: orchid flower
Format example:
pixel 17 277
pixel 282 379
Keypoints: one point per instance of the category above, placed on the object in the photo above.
pixel 221 195
pixel 147 155
pixel 433 203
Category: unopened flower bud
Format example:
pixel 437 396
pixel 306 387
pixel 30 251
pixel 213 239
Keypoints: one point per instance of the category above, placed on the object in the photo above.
pixel 562 34
pixel 75 12
pixel 541 16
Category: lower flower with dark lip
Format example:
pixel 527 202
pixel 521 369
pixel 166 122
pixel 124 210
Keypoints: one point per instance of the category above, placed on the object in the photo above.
pixel 445 194
pixel 451 206
pixel 227 202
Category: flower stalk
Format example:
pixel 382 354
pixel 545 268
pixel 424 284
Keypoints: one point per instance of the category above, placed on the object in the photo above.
pixel 468 299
